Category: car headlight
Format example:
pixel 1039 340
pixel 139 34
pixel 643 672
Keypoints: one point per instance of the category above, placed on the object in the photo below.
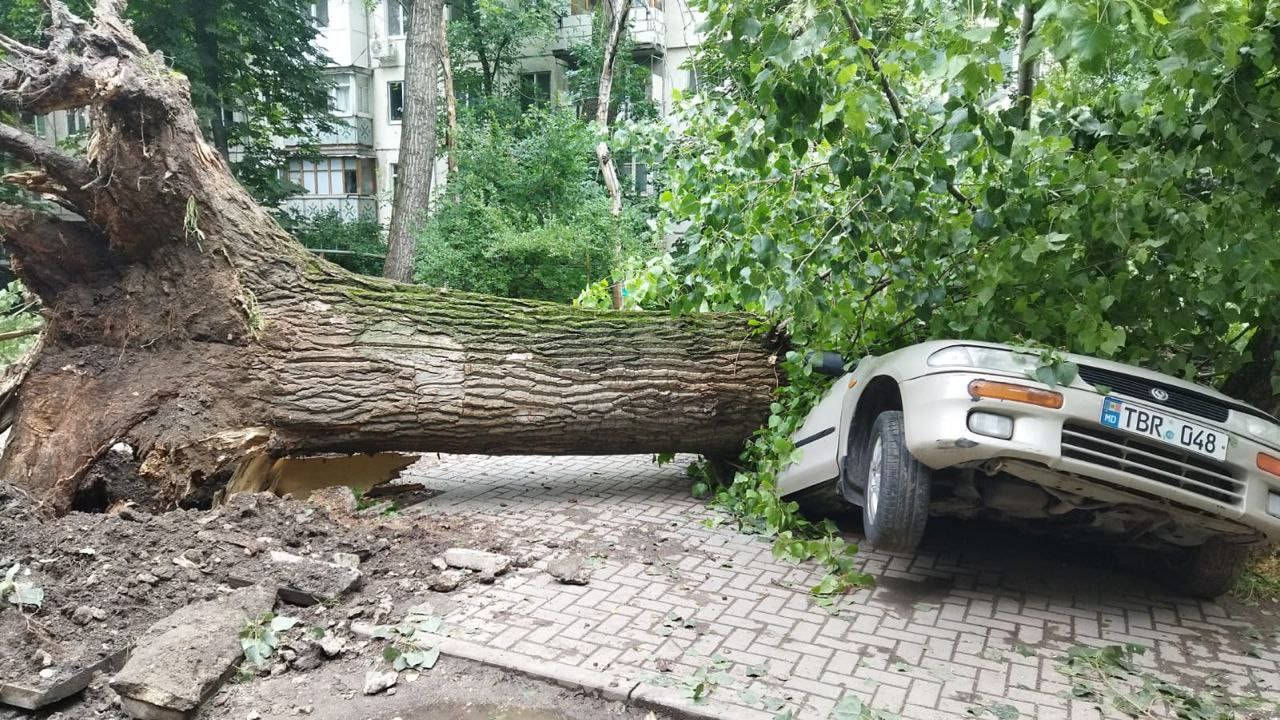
pixel 984 357
pixel 1262 430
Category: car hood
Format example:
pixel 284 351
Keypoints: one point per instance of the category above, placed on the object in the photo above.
pixel 935 345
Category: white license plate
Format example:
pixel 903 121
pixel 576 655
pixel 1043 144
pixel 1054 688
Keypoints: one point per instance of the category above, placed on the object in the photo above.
pixel 1145 421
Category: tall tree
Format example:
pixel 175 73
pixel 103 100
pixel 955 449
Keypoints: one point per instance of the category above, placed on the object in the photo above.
pixel 417 136
pixel 489 35
pixel 615 13
pixel 183 321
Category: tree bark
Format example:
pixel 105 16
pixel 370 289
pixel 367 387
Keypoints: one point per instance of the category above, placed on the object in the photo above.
pixel 182 321
pixel 1026 65
pixel 450 100
pixel 204 16
pixel 616 13
pixel 417 138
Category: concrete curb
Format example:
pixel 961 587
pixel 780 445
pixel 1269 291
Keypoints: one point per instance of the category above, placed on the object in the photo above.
pixel 606 685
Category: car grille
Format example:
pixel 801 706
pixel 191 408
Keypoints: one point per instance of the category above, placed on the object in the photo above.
pixel 1160 463
pixel 1189 401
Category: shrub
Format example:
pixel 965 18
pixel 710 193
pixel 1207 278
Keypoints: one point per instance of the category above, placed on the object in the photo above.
pixel 524 215
pixel 356 245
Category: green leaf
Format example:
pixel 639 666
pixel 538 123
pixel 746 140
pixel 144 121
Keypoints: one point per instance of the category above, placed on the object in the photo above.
pixel 281 623
pixel 1158 15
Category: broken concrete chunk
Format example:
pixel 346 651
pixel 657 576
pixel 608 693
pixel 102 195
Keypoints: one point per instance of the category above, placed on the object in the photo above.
pixel 447 581
pixel 477 560
pixel 50 685
pixel 570 569
pixel 299 580
pixel 350 560
pixel 332 645
pixel 181 660
pixel 375 681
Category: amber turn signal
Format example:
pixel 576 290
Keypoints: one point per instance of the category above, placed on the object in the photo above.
pixel 1016 393
pixel 1266 463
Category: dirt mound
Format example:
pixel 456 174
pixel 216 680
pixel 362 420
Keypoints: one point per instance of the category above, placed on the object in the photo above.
pixel 105 578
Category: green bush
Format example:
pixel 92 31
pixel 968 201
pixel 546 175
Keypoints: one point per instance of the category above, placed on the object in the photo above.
pixel 524 216
pixel 17 313
pixel 356 245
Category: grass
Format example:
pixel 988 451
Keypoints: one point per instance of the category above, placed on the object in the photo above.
pixel 1261 580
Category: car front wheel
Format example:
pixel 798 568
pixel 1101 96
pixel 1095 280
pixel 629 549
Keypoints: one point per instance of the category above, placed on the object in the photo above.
pixel 896 487
pixel 1208 570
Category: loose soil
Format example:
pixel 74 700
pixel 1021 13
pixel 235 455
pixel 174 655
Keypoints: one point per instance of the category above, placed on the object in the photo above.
pixel 106 577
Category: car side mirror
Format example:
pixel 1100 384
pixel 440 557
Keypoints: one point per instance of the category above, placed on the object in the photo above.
pixel 828 363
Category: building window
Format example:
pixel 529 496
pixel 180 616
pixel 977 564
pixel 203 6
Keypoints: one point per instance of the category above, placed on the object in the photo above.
pixel 395 18
pixel 340 96
pixel 78 121
pixel 36 123
pixel 363 100
pixel 334 176
pixel 581 7
pixel 395 100
pixel 535 88
pixel 320 11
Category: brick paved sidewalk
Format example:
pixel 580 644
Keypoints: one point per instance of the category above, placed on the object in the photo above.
pixel 974 620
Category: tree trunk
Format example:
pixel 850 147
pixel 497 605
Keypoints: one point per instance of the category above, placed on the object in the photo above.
pixel 450 100
pixel 1026 65
pixel 204 16
pixel 183 322
pixel 616 12
pixel 417 138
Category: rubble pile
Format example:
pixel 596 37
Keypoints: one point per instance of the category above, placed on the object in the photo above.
pixel 164 608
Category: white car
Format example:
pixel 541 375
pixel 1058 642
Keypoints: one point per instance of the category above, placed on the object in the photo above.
pixel 962 429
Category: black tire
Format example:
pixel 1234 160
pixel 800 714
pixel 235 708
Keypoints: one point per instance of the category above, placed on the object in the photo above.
pixel 895 518
pixel 1208 570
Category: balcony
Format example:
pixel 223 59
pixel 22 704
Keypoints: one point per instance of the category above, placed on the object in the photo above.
pixel 348 132
pixel 648 30
pixel 348 207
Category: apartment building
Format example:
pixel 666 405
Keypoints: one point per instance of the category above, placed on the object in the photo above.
pixel 356 172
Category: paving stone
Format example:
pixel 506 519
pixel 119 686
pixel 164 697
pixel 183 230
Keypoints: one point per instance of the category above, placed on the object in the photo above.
pixel 951 632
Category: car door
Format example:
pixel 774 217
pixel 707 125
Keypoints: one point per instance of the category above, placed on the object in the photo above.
pixel 818 443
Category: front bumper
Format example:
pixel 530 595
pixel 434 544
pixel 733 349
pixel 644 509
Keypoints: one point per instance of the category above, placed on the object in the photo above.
pixel 937 407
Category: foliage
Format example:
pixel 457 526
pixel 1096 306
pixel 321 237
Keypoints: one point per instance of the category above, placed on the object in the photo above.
pixel 486 37
pixel 1131 208
pixel 631 95
pixel 859 174
pixel 358 243
pixel 1261 580
pixel 413 640
pixel 524 216
pixel 1110 675
pixel 256 57
pixel 17 313
pixel 22 593
pixel 260 638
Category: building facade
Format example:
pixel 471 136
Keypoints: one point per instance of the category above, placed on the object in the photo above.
pixel 355 167
pixel 357 170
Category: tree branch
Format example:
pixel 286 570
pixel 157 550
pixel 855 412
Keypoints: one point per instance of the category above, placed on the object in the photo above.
pixel 1026 65
pixel 52 254
pixel 29 148
pixel 895 105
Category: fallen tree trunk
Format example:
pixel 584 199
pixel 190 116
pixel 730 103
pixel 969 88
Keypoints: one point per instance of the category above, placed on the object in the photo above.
pixel 182 321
